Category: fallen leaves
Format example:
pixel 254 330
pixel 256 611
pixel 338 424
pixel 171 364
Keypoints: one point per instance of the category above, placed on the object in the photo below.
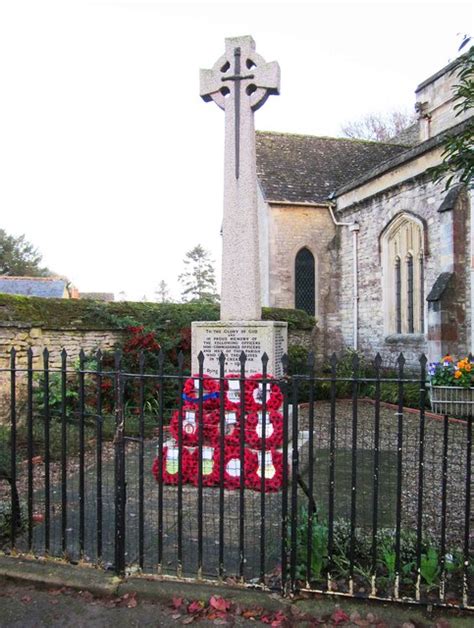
pixel 219 603
pixel 339 617
pixel 129 600
pixel 222 611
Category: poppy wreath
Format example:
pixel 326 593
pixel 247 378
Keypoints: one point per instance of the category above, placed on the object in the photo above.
pixel 232 432
pixel 191 429
pixel 233 453
pixel 274 397
pixel 210 388
pixel 210 468
pixel 253 479
pixel 230 403
pixel 273 430
pixel 170 471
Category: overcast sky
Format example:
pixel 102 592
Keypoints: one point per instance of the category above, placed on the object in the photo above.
pixel 112 165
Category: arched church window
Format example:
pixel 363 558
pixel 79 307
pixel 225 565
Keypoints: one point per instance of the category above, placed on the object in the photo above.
pixel 403 276
pixel 305 292
pixel 398 294
pixel 421 265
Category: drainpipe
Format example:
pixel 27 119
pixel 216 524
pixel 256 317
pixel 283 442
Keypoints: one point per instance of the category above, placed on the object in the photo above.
pixel 354 227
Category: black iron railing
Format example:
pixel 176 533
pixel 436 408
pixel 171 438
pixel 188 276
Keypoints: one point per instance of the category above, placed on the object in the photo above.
pixel 360 496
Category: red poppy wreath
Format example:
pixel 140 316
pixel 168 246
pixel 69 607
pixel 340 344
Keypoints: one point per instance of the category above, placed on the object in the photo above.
pixel 210 389
pixel 254 393
pixel 232 388
pixel 170 456
pixel 210 467
pixel 231 428
pixel 232 466
pixel 190 425
pixel 273 429
pixel 273 464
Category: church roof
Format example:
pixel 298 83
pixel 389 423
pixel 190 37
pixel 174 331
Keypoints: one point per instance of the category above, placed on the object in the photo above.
pixel 306 169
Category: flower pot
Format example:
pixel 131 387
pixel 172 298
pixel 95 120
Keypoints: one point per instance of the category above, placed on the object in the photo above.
pixel 452 400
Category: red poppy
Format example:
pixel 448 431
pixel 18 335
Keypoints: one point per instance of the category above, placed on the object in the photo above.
pixel 273 429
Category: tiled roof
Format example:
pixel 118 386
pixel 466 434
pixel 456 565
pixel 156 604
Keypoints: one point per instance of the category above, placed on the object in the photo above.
pixel 306 169
pixel 409 136
pixel 407 155
pixel 46 287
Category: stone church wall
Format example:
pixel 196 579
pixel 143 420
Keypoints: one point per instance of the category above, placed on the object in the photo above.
pixel 446 250
pixel 292 227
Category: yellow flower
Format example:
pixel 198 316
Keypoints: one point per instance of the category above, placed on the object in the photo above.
pixel 468 368
pixel 457 374
pixel 447 358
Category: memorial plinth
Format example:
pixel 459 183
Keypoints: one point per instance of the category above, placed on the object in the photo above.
pixel 254 338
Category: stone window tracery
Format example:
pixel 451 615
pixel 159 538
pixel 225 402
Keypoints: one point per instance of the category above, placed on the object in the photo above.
pixel 403 276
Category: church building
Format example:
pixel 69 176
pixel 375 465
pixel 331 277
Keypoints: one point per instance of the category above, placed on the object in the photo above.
pixel 358 234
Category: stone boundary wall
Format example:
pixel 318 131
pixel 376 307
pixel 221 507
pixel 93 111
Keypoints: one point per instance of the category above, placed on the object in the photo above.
pixel 23 338
pixel 57 326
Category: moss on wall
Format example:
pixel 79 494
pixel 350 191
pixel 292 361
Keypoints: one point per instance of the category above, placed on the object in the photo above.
pixel 64 314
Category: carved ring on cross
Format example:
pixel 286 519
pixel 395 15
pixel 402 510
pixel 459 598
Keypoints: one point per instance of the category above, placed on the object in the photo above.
pixel 240 65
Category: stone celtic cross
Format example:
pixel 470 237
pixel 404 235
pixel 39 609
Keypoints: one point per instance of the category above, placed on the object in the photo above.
pixel 239 83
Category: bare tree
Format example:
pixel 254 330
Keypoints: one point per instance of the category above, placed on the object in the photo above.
pixel 379 127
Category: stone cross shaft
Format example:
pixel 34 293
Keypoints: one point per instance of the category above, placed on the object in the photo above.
pixel 239 83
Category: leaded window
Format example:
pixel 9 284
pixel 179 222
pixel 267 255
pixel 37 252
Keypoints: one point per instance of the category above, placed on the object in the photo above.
pixel 398 294
pixel 305 291
pixel 403 275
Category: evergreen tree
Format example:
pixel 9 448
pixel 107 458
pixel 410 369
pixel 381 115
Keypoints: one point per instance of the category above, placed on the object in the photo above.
pixel 198 278
pixel 19 258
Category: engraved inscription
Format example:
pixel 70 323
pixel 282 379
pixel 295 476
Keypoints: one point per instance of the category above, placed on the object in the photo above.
pixel 231 339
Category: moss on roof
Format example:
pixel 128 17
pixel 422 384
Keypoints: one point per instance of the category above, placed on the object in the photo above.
pixel 306 169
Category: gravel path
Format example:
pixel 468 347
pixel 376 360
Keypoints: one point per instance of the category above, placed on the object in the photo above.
pixel 432 520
